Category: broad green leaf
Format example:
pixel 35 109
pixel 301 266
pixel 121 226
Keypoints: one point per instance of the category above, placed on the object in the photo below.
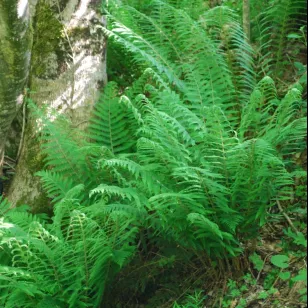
pixel 299 66
pixel 302 276
pixel 281 261
pixel 263 295
pixel 303 79
pixel 301 240
pixel 294 36
pixel 285 275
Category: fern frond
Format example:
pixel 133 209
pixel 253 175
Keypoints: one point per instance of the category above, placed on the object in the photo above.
pixel 223 25
pixel 278 20
pixel 125 193
pixel 139 46
pixel 60 147
pixel 55 184
pixel 110 124
pixel 4 206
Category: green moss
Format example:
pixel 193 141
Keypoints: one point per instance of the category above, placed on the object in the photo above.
pixel 79 32
pixel 15 44
pixel 41 204
pixel 48 41
pixel 7 52
pixel 34 160
pixel 34 156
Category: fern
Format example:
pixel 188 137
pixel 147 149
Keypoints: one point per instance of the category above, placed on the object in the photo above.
pixel 111 125
pixel 191 155
pixel 157 30
pixel 61 147
pixel 276 23
pixel 55 185
pixel 71 259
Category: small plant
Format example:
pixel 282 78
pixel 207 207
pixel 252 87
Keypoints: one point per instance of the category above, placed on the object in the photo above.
pixel 234 296
pixel 300 35
pixel 257 261
pixel 298 238
pixel 193 301
pixel 301 277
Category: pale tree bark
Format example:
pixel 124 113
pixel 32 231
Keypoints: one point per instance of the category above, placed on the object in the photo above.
pixel 246 18
pixel 66 73
pixel 15 47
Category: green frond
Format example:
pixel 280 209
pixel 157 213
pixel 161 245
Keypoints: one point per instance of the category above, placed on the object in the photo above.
pixel 4 206
pixel 146 174
pixel 60 146
pixel 204 68
pixel 260 177
pixel 75 265
pixel 55 185
pixel 110 124
pixel 222 23
pixel 206 229
pixel 124 193
pixel 276 23
pixel 185 161
pixel 135 43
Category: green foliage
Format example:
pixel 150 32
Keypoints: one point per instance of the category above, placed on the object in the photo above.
pixel 298 238
pixel 302 277
pixel 49 45
pixel 193 301
pixel 257 261
pixel 181 166
pixel 66 263
pixel 278 23
pixel 233 294
pixel 280 261
pixel 112 124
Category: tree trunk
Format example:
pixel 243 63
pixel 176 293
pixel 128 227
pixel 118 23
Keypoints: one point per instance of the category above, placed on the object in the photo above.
pixel 68 66
pixel 15 47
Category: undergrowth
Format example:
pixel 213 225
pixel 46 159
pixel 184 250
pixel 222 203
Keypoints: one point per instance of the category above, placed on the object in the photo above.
pixel 164 197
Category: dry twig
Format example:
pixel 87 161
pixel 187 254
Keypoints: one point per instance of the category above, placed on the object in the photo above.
pixel 286 216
